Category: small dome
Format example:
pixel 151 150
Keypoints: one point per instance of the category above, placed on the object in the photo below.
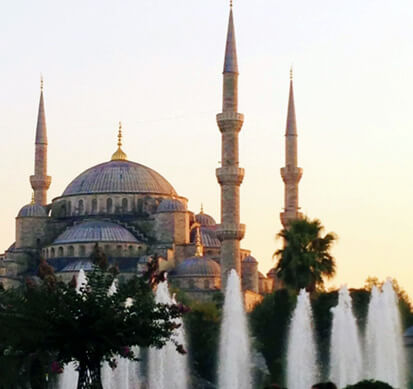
pixel 208 237
pixel 197 267
pixel 32 210
pixel 96 231
pixel 119 176
pixel 205 220
pixel 249 259
pixel 272 273
pixel 171 205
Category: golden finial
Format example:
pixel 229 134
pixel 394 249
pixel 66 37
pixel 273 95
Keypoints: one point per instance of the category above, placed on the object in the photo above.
pixel 198 244
pixel 230 3
pixel 32 202
pixel 119 154
pixel 41 82
pixel 202 208
pixel 291 72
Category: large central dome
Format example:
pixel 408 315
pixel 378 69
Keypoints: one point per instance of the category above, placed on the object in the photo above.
pixel 119 176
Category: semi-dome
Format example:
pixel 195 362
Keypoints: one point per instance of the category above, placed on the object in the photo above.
pixel 32 210
pixel 197 267
pixel 208 237
pixel 119 176
pixel 96 231
pixel 171 205
pixel 249 259
pixel 205 220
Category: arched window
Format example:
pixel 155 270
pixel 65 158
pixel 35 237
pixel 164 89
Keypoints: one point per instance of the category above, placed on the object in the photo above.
pixel 124 205
pixel 81 207
pixel 60 252
pixel 94 206
pixel 52 253
pixel 119 250
pixel 191 284
pixel 82 251
pixel 206 284
pixel 109 205
pixel 71 251
pixel 69 208
pixel 130 251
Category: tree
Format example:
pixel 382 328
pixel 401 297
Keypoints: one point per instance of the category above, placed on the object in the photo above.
pixel 54 322
pixel 305 259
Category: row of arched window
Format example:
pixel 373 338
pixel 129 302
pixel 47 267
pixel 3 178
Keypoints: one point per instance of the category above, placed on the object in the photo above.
pixel 75 208
pixel 82 251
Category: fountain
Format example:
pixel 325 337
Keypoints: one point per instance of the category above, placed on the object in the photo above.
pixel 384 344
pixel 167 368
pixel 234 351
pixel 302 368
pixel 346 361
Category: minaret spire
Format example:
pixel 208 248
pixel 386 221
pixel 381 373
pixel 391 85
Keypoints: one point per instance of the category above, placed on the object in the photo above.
pixel 230 175
pixel 40 181
pixel 291 173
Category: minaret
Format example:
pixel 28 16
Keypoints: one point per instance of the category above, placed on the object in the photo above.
pixel 230 175
pixel 291 174
pixel 40 181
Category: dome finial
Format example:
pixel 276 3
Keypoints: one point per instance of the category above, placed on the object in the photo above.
pixel 230 3
pixel 119 154
pixel 291 72
pixel 198 244
pixel 202 208
pixel 41 82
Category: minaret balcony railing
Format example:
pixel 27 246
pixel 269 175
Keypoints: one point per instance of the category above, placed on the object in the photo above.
pixel 40 182
pixel 291 174
pixel 230 175
pixel 230 121
pixel 226 231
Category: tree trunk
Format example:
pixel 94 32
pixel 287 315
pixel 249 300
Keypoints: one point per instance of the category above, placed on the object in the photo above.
pixel 89 376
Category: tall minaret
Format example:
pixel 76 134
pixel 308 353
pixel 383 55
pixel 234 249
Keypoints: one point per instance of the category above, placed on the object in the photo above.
pixel 40 181
pixel 291 174
pixel 230 175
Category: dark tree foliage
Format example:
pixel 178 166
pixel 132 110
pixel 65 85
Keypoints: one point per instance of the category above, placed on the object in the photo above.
pixel 51 323
pixel 269 323
pixel 369 385
pixel 202 325
pixel 305 259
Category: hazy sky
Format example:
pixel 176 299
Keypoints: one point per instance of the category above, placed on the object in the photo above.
pixel 156 66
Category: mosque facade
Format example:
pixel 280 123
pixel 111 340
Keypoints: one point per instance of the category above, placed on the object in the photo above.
pixel 134 214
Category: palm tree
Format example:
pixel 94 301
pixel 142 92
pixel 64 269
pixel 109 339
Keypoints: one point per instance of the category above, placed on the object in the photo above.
pixel 305 259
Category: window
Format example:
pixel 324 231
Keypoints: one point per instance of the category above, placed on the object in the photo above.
pixel 82 251
pixel 109 205
pixel 191 284
pixel 52 253
pixel 124 205
pixel 60 252
pixel 69 208
pixel 206 284
pixel 71 251
pixel 81 207
pixel 94 206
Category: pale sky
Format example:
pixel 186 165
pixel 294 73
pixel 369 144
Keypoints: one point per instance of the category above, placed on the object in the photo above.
pixel 156 66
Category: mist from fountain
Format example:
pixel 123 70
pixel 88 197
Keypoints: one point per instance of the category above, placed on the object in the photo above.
pixel 385 354
pixel 234 352
pixel 167 368
pixel 346 360
pixel 302 367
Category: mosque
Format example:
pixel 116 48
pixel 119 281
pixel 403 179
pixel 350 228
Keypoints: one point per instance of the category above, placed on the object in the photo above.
pixel 135 214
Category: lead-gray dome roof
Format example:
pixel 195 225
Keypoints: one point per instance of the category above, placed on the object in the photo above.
pixel 197 267
pixel 32 210
pixel 119 177
pixel 96 231
pixel 205 220
pixel 249 259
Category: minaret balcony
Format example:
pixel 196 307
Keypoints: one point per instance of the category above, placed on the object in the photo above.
pixel 291 174
pixel 40 182
pixel 227 231
pixel 230 175
pixel 230 121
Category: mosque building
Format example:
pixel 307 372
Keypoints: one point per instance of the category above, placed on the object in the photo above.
pixel 135 214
